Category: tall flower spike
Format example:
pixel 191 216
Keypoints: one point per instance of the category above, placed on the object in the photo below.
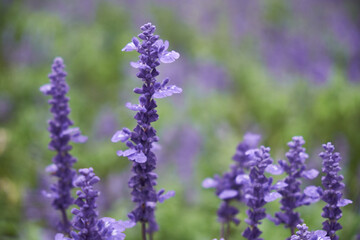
pixel 139 141
pixel 61 135
pixel 256 192
pixel 86 220
pixel 292 197
pixel 230 186
pixel 304 234
pixel 332 195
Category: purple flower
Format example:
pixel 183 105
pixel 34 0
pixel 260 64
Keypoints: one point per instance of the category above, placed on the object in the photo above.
pixel 139 141
pixel 61 135
pixel 256 192
pixel 332 195
pixel 292 197
pixel 86 220
pixel 230 186
pixel 304 234
pixel 36 206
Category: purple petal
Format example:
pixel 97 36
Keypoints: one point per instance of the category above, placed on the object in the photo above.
pixel 242 178
pixel 120 136
pixel 75 135
pixel 138 157
pixel 79 139
pixel 272 196
pixel 129 47
pixel 135 41
pixel 126 153
pixel 135 64
pixel 320 233
pixel 52 168
pixel 312 191
pixel 310 174
pixel 343 202
pixel 139 65
pixel 127 223
pixel 167 91
pixel 135 107
pixel 166 45
pixel 45 88
pixel 209 183
pixel 167 195
pixel 60 236
pixel 159 43
pixel 279 185
pixel 226 194
pixel 274 169
pixel 47 194
pixel 169 57
pixel 151 204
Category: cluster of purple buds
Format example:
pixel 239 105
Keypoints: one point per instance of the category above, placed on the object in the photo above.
pixel 86 221
pixel 61 135
pixel 152 51
pixel 304 234
pixel 230 186
pixel 332 194
pixel 292 196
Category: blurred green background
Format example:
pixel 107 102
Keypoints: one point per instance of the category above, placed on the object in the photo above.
pixel 278 68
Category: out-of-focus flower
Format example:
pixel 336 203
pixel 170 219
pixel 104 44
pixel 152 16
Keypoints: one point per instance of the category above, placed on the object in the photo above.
pixel 231 185
pixel 105 124
pixel 61 135
pixel 37 208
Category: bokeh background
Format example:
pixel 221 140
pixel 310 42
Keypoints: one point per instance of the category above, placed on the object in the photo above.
pixel 279 68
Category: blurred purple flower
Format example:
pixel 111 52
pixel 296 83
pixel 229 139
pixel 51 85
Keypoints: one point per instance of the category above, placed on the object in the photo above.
pixel 213 76
pixel 61 135
pixel 231 185
pixel 105 124
pixel 181 146
pixel 37 207
pixel 6 107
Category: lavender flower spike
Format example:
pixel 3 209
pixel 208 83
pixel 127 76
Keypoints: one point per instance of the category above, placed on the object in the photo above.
pixel 292 197
pixel 259 187
pixel 139 141
pixel 332 195
pixel 86 220
pixel 304 234
pixel 61 135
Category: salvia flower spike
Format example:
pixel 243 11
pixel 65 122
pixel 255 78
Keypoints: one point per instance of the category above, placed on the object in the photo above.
pixel 256 192
pixel 152 51
pixel 292 196
pixel 304 234
pixel 332 194
pixel 61 134
pixel 85 221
